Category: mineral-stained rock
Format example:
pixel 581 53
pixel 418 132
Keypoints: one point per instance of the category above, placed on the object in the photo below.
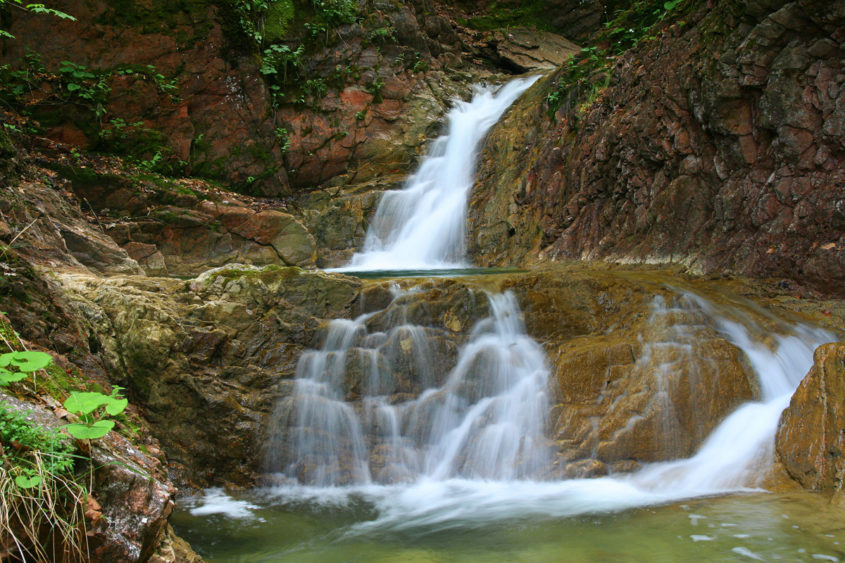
pixel 811 435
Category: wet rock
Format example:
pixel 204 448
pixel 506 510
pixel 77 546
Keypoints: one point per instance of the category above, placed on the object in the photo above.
pixel 639 375
pixel 338 218
pixel 810 439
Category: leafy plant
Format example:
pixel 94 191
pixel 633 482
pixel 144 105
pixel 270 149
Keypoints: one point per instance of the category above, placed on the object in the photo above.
pixel 86 85
pixel 283 136
pixel 276 56
pixel 23 436
pixel 35 9
pixel 87 405
pixel 22 364
pixel 313 89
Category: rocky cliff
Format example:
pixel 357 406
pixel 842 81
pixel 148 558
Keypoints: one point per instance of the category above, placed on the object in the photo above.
pixel 716 142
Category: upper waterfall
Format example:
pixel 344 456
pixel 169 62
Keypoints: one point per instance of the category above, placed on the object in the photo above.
pixel 422 226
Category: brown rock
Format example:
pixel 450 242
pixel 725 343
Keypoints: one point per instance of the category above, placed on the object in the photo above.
pixel 811 435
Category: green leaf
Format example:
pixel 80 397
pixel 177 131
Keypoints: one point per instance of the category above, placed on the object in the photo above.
pixel 85 402
pixel 90 431
pixel 27 482
pixel 72 87
pixel 26 361
pixel 115 406
pixel 7 376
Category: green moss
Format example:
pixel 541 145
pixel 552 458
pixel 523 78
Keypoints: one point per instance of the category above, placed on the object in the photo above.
pixel 277 21
pixel 58 382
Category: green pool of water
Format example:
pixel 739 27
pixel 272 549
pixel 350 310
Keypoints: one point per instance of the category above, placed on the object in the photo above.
pixel 747 527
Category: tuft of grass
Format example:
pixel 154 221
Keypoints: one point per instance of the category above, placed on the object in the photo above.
pixel 42 516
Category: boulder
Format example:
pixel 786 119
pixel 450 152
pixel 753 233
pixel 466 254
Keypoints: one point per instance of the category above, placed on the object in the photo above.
pixel 811 436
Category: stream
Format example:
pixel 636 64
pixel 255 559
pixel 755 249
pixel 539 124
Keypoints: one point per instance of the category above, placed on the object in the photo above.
pixel 384 453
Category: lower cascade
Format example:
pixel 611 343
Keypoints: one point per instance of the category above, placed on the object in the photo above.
pixel 345 422
pixel 375 412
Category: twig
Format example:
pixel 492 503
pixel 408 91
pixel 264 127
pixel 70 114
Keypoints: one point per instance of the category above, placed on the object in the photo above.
pixel 25 229
pixel 94 213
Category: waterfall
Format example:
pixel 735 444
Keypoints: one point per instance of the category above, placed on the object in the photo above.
pixel 469 446
pixel 484 421
pixel 422 226
pixel 379 413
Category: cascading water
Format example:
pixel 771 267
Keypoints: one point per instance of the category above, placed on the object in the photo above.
pixel 379 416
pixel 484 421
pixel 422 226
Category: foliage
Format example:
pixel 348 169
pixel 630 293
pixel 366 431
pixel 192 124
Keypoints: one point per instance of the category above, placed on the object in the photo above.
pixel 88 405
pixel 588 72
pixel 32 8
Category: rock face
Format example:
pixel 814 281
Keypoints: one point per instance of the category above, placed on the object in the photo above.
pixel 719 145
pixel 357 106
pixel 811 435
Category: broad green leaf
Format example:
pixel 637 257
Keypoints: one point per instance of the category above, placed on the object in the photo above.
pixel 7 376
pixel 27 482
pixel 90 431
pixel 85 402
pixel 27 361
pixel 72 87
pixel 115 406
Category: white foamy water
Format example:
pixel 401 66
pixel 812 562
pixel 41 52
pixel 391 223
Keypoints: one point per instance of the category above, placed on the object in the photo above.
pixel 377 416
pixel 421 226
pixel 485 420
pixel 473 469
